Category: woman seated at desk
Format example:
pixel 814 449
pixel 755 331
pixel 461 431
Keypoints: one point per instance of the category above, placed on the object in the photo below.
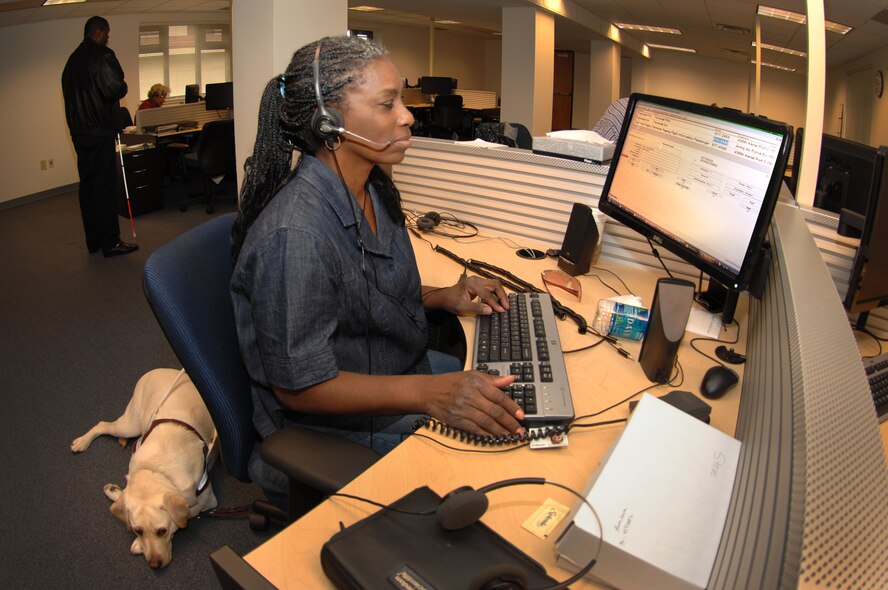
pixel 157 95
pixel 328 303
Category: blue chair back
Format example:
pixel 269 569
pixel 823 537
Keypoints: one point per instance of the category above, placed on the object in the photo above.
pixel 186 282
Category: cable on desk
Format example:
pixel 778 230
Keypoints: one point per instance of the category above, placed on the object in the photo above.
pixel 628 290
pixel 707 339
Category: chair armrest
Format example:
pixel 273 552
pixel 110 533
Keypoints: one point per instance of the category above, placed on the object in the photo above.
pixel 321 461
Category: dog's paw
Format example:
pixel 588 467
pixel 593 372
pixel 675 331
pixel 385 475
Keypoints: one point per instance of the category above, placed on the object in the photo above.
pixel 136 547
pixel 112 491
pixel 80 444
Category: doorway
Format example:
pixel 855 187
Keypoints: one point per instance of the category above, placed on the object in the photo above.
pixel 562 91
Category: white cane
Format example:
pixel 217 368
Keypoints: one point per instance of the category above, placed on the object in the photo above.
pixel 125 187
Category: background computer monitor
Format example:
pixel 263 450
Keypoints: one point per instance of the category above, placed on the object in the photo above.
pixel 220 96
pixel 436 85
pixel 699 180
pixel 192 93
pixel 845 181
pixel 868 282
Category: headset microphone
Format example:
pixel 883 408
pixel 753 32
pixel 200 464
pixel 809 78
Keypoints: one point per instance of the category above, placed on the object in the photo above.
pixel 330 130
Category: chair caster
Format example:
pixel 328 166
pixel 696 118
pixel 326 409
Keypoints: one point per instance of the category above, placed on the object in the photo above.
pixel 258 522
pixel 183 207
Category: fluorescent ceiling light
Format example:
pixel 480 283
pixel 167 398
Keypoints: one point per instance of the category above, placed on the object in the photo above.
pixel 365 8
pixel 52 2
pixel 775 66
pixel 671 48
pixel 800 18
pixel 648 28
pixel 446 22
pixel 782 49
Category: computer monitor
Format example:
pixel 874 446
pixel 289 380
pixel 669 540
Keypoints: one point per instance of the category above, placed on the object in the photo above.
pixel 868 282
pixel 700 181
pixel 436 85
pixel 220 96
pixel 192 93
pixel 845 181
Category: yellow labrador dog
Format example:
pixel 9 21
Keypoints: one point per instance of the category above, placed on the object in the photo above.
pixel 168 479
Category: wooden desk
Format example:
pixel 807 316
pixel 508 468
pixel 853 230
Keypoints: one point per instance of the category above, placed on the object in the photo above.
pixel 599 377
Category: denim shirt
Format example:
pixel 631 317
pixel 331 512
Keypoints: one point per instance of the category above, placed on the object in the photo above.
pixel 311 298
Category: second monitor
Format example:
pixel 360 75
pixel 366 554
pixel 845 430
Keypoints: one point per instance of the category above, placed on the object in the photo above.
pixel 437 85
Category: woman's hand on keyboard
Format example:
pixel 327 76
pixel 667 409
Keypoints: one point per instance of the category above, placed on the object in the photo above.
pixel 475 402
pixel 470 296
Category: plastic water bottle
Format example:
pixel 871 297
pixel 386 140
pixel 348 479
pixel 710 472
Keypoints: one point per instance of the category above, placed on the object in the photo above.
pixel 621 320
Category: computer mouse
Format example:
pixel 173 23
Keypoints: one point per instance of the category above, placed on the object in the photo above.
pixel 717 381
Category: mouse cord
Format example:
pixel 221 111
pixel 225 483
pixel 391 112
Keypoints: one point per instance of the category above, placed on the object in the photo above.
pixel 707 339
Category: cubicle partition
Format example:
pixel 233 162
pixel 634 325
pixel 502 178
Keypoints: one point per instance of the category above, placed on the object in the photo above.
pixel 195 111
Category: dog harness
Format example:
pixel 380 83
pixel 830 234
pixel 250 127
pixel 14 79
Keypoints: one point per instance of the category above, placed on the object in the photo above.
pixel 205 478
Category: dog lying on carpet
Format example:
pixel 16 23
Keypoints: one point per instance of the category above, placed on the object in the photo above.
pixel 168 479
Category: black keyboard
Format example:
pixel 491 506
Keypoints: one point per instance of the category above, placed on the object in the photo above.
pixel 523 341
pixel 877 374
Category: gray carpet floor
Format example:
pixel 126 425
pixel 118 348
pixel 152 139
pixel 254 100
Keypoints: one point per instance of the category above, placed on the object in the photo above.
pixel 77 334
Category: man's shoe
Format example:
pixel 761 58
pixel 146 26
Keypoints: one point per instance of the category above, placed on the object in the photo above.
pixel 119 248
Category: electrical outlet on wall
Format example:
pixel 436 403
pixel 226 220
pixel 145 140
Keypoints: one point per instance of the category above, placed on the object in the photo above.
pixel 43 164
pixel 51 163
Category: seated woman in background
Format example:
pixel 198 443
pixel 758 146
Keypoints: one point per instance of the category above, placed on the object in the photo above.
pixel 328 303
pixel 156 97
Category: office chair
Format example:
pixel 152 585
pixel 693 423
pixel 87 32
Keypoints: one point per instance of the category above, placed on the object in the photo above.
pixel 447 116
pixel 214 158
pixel 186 282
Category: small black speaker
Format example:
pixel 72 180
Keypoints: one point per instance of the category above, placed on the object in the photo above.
pixel 666 327
pixel 580 240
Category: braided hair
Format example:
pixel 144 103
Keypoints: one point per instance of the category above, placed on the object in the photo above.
pixel 285 111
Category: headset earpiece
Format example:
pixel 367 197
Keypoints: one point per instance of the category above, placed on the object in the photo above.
pixel 429 221
pixel 461 508
pixel 326 123
pixel 502 576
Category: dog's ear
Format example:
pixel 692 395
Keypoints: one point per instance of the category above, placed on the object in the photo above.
pixel 118 509
pixel 177 507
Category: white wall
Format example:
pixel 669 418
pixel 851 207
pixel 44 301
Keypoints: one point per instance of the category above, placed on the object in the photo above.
pixel 704 80
pixel 32 57
pixel 457 56
pixel 836 96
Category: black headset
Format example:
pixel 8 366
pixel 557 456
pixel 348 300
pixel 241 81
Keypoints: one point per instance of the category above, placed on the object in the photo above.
pixel 429 221
pixel 465 505
pixel 326 123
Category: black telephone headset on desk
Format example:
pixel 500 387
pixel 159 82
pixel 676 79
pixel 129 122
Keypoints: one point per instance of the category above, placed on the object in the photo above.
pixel 432 222
pixel 456 514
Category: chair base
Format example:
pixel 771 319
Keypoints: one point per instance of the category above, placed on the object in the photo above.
pixel 205 198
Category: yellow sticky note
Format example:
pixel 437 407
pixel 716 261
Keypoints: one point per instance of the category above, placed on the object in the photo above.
pixel 546 518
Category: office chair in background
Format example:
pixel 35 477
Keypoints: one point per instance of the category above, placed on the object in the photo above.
pixel 447 116
pixel 214 158
pixel 186 283
pixel 510 134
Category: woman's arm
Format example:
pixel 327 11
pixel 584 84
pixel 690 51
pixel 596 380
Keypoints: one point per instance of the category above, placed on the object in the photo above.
pixel 467 400
pixel 460 299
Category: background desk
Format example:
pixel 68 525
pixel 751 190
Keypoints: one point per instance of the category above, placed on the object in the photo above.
pixel 599 377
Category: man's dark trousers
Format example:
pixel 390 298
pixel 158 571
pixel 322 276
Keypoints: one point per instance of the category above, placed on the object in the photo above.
pixel 96 164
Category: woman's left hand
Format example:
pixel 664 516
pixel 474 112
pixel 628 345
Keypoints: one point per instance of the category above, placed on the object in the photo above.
pixel 470 296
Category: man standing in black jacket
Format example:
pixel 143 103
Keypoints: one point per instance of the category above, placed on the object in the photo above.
pixel 93 84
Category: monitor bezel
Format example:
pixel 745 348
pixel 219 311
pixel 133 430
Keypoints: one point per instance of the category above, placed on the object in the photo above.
pixel 740 280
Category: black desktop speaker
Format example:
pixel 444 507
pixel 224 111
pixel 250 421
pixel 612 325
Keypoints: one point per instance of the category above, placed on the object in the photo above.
pixel 666 327
pixel 580 240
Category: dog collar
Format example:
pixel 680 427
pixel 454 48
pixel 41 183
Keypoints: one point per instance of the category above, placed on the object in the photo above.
pixel 205 478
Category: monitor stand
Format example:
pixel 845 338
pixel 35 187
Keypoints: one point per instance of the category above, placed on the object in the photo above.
pixel 718 298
